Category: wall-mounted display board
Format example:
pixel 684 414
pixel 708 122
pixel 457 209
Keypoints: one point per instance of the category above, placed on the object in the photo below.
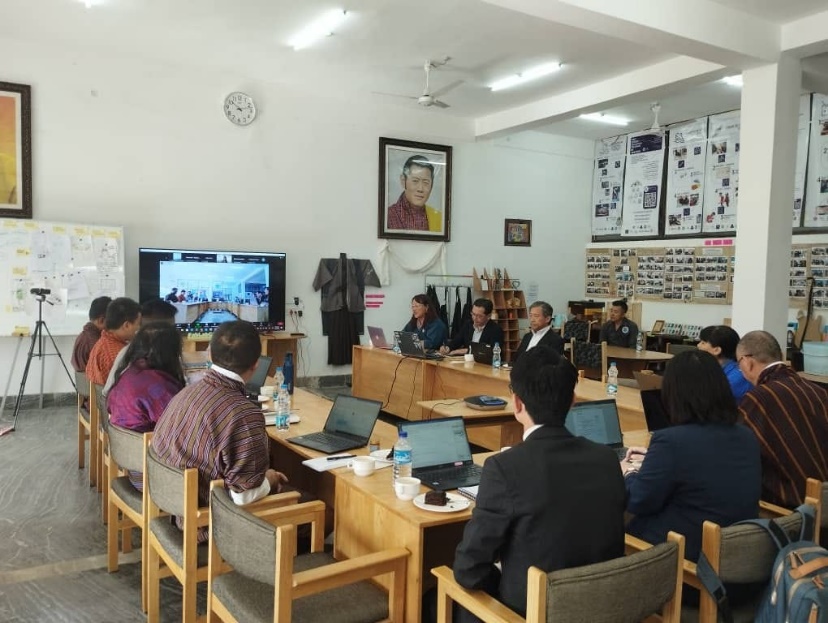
pixel 686 161
pixel 722 176
pixel 816 196
pixel 76 262
pixel 598 273
pixel 802 142
pixel 819 271
pixel 608 185
pixel 808 260
pixel 642 184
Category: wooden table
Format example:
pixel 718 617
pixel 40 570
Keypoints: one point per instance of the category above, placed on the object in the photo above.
pixel 493 429
pixel 629 360
pixel 274 345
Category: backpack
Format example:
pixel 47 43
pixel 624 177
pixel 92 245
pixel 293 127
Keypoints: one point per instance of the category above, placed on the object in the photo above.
pixel 798 588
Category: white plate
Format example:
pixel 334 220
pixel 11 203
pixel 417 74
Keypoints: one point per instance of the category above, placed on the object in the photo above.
pixel 381 455
pixel 455 502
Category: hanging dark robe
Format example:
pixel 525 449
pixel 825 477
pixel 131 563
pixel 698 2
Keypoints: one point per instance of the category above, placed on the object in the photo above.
pixel 457 318
pixel 468 306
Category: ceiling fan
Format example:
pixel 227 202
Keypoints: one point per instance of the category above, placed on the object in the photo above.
pixel 429 98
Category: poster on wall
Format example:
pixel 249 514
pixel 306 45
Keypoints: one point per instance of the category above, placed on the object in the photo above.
pixel 721 194
pixel 686 158
pixel 802 140
pixel 816 197
pixel 607 186
pixel 642 184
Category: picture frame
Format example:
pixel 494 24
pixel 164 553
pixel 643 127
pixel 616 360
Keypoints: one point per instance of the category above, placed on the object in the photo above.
pixel 15 150
pixel 517 233
pixel 658 326
pixel 414 201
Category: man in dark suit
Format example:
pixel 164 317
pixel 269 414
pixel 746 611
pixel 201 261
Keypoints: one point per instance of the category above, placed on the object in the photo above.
pixel 480 329
pixel 554 501
pixel 541 334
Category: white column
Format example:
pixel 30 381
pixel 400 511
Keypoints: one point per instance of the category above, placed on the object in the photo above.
pixel 770 109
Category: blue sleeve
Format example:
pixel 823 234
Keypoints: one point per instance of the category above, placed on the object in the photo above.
pixel 435 334
pixel 649 490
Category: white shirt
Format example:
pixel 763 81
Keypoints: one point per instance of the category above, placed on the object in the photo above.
pixel 478 333
pixel 537 336
pixel 531 430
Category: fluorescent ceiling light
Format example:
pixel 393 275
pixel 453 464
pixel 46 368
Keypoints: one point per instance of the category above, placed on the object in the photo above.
pixel 321 28
pixel 610 119
pixel 530 74
pixel 734 81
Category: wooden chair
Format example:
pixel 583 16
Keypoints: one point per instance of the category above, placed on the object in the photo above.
pixel 575 330
pixel 102 448
pixel 818 492
pixel 84 425
pixel 675 349
pixel 94 417
pixel 592 358
pixel 125 506
pixel 266 577
pixel 629 588
pixel 739 554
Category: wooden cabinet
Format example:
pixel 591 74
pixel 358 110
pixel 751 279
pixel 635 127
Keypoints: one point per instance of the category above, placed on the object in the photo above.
pixel 509 309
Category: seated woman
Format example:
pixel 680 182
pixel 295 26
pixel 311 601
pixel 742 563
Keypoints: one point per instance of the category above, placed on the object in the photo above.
pixel 425 323
pixel 704 467
pixel 147 378
pixel 721 341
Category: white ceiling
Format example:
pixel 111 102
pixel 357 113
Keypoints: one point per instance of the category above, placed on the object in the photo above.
pixel 380 48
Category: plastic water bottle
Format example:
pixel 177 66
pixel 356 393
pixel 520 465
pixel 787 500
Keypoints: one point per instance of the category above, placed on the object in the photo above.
pixel 396 345
pixel 287 370
pixel 280 377
pixel 283 409
pixel 402 456
pixel 639 342
pixel 612 379
pixel 496 356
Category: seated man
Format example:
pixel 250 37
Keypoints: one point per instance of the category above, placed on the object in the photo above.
pixel 123 319
pixel 480 329
pixel 540 323
pixel 90 333
pixel 213 427
pixel 789 416
pixel 554 501
pixel 619 330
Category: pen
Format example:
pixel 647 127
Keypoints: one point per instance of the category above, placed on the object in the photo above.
pixel 341 456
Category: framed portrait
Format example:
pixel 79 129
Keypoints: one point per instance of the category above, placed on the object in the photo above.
pixel 15 150
pixel 414 190
pixel 658 326
pixel 517 233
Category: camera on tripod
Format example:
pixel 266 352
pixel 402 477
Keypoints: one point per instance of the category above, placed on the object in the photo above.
pixel 40 291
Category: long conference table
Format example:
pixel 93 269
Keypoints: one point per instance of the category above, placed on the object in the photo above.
pixel 368 517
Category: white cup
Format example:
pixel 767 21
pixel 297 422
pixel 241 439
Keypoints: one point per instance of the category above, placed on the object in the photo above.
pixel 267 390
pixel 407 488
pixel 469 357
pixel 363 465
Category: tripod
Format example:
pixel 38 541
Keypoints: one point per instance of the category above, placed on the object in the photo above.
pixel 37 339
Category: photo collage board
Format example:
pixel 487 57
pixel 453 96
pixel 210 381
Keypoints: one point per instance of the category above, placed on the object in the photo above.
pixel 809 260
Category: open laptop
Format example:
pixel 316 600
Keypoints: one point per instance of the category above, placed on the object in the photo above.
pixel 597 420
pixel 349 425
pixel 254 385
pixel 481 352
pixel 377 336
pixel 412 346
pixel 654 411
pixel 441 456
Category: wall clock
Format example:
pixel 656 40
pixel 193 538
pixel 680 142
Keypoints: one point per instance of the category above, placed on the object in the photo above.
pixel 239 108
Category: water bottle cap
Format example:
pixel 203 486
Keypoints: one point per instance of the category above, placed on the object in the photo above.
pixel 403 434
pixel 612 363
pixel 284 386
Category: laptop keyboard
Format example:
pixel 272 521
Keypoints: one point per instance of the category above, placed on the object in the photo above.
pixel 327 438
pixel 450 473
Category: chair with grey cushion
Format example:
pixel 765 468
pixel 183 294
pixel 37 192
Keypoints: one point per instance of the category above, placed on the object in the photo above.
pixel 256 577
pixel 84 424
pixel 626 589
pixel 575 330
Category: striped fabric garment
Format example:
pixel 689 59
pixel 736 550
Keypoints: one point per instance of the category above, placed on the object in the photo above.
pixel 789 416
pixel 103 356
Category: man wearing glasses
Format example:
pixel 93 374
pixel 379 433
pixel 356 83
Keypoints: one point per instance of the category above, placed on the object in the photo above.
pixel 481 330
pixel 789 416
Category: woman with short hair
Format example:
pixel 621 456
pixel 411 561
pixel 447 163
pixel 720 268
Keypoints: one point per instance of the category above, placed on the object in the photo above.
pixel 721 341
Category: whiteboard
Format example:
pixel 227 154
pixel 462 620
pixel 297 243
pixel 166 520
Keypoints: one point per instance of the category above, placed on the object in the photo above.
pixel 76 262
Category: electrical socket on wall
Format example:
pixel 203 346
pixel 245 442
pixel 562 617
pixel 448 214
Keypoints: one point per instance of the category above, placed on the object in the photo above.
pixel 297 308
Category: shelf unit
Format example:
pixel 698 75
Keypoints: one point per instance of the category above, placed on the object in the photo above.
pixel 509 305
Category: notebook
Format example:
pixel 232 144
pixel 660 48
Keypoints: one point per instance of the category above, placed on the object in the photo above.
pixel 482 352
pixel 441 456
pixel 377 336
pixel 654 411
pixel 349 425
pixel 597 420
pixel 254 385
pixel 412 346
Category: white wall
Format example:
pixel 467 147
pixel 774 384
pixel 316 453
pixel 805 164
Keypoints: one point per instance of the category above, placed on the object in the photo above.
pixel 144 145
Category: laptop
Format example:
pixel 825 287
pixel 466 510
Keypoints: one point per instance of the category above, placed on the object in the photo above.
pixel 377 336
pixel 412 346
pixel 482 352
pixel 349 425
pixel 654 411
pixel 441 456
pixel 647 380
pixel 597 420
pixel 254 385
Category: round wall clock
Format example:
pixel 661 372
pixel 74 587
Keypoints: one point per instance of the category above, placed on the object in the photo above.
pixel 239 108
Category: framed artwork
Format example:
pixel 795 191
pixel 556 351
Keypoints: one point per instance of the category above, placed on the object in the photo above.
pixel 15 150
pixel 658 326
pixel 414 190
pixel 517 233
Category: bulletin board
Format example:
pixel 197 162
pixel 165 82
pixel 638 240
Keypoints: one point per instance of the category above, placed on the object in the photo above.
pixel 809 261
pixel 76 262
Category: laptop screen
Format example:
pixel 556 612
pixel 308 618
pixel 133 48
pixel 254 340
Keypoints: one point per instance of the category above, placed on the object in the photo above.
pixel 260 375
pixel 440 442
pixel 377 336
pixel 596 420
pixel 352 416
pixel 654 411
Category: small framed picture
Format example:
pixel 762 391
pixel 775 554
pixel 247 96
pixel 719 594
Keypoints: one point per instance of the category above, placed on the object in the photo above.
pixel 517 233
pixel 658 326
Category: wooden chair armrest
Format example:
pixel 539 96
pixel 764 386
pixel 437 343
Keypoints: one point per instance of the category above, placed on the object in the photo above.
pixel 768 510
pixel 691 577
pixel 349 571
pixel 295 514
pixel 277 500
pixel 203 517
pixel 633 544
pixel 479 603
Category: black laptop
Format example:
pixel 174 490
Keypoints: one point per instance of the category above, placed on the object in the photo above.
pixel 654 411
pixel 254 385
pixel 412 346
pixel 597 420
pixel 441 456
pixel 482 353
pixel 349 425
